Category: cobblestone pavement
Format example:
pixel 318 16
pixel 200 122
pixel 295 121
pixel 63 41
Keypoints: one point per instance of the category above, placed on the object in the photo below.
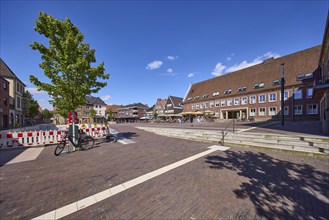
pixel 239 183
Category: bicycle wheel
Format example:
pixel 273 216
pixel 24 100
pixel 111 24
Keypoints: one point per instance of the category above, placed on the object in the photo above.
pixel 87 142
pixel 59 148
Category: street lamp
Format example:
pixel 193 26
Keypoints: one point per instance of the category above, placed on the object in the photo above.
pixel 282 94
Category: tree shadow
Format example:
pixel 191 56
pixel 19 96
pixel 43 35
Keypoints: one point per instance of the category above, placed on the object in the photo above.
pixel 126 135
pixel 8 154
pixel 278 189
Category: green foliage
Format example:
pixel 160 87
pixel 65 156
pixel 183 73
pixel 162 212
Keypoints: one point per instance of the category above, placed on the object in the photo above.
pixel 67 63
pixel 33 106
pixel 47 114
pixel 92 113
pixel 110 114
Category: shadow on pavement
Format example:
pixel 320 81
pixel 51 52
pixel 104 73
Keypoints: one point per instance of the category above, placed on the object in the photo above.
pixel 278 189
pixel 7 155
pixel 126 135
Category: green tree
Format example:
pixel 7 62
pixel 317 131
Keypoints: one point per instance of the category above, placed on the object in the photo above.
pixel 66 61
pixel 92 113
pixel 110 115
pixel 33 106
pixel 47 114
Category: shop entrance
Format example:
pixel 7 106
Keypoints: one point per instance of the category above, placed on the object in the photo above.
pixel 239 114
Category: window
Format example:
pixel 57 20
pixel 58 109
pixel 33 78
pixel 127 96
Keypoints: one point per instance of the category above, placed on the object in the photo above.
pixel 262 98
pixel 252 99
pixel 18 102
pixel 244 100
pixel 229 102
pixel 312 109
pixel 298 94
pixel 215 94
pixel 272 97
pixel 211 104
pixel 308 76
pixel 197 106
pixel 276 82
pixel 252 112
pixel 272 111
pixel 196 97
pixel 237 101
pixel 17 88
pixel 223 103
pixel 260 85
pixel 242 89
pixel 286 110
pixel 207 105
pixel 286 96
pixel 310 92
pixel 205 96
pixel 5 86
pixel 227 92
pixel 169 105
pixel 189 99
pixel 217 104
pixel 5 101
pixel 262 112
pixel 193 106
pixel 298 109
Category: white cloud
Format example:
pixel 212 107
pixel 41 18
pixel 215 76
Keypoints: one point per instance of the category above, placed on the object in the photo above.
pixel 190 75
pixel 171 57
pixel 35 90
pixel 105 97
pixel 154 65
pixel 169 70
pixel 219 68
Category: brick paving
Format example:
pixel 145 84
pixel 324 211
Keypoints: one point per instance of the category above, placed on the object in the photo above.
pixel 236 184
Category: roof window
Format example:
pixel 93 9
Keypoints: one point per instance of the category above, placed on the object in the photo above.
pixel 259 85
pixel 276 82
pixel 215 94
pixel 303 77
pixel 197 97
pixel 189 99
pixel 205 96
pixel 242 89
pixel 227 92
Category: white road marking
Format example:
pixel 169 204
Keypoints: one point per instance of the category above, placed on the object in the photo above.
pixel 93 199
pixel 27 155
pixel 248 129
pixel 126 141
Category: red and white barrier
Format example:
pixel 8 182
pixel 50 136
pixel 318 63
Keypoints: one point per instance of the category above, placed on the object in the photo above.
pixel 39 138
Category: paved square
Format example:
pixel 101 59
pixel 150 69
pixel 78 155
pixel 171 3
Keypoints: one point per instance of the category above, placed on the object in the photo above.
pixel 236 184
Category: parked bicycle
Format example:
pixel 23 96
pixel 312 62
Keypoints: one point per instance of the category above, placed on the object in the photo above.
pixel 85 142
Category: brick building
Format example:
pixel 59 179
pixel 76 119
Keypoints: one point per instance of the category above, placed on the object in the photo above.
pixel 131 112
pixel 255 91
pixel 4 104
pixel 322 85
pixel 173 105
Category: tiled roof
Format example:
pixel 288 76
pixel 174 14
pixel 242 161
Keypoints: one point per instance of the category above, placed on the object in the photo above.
pixel 94 100
pixel 177 101
pixel 5 71
pixel 135 105
pixel 299 63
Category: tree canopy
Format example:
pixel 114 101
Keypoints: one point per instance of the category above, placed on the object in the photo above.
pixel 66 61
pixel 47 114
pixel 33 105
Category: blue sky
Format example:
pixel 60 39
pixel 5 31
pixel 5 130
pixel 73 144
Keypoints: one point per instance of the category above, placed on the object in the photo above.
pixel 153 49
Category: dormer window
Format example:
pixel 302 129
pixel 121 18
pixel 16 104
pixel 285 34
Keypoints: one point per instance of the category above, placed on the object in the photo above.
pixel 215 94
pixel 276 82
pixel 242 89
pixel 227 91
pixel 189 99
pixel 300 77
pixel 205 96
pixel 260 85
pixel 308 76
pixel 197 97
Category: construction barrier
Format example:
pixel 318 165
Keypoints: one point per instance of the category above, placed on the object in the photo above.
pixel 40 138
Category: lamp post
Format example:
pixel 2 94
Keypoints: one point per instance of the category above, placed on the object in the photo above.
pixel 282 94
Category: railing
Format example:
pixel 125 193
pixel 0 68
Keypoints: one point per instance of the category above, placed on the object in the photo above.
pixel 225 131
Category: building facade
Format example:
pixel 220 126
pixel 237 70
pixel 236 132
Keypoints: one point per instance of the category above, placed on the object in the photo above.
pixel 322 85
pixel 254 93
pixel 4 104
pixel 95 103
pixel 160 106
pixel 112 112
pixel 17 100
pixel 173 105
pixel 131 113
